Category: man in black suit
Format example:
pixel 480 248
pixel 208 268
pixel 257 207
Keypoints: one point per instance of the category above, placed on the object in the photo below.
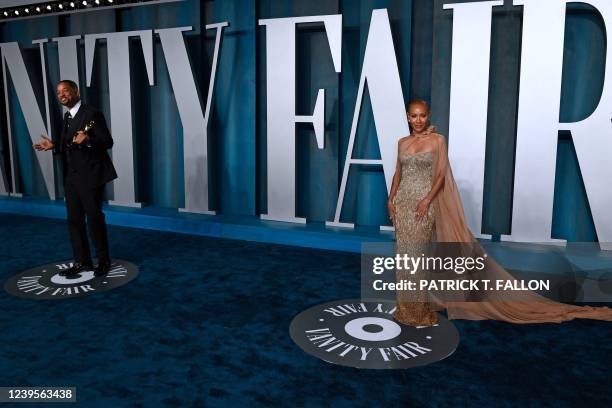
pixel 87 167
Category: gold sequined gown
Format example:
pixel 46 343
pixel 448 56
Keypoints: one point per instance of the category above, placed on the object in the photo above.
pixel 413 236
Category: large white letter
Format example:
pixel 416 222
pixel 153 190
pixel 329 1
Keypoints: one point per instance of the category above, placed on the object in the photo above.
pixel 195 125
pixel 469 98
pixel 12 58
pixel 381 73
pixel 68 58
pixel 281 117
pixel 538 126
pixel 121 103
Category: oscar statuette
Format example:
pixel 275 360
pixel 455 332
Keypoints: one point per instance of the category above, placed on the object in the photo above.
pixel 73 145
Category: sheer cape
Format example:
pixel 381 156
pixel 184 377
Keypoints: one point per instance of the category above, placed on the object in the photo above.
pixel 450 226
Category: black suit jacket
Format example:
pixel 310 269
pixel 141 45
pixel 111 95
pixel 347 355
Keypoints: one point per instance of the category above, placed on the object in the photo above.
pixel 89 165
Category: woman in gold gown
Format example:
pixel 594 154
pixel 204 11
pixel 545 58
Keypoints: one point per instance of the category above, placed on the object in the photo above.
pixel 425 206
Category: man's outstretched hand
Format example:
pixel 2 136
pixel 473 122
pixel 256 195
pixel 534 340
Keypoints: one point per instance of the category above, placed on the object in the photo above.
pixel 44 145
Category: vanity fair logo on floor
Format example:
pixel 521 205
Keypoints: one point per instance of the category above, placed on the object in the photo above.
pixel 363 334
pixel 45 282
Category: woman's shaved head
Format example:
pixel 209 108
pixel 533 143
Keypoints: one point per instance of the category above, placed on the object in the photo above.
pixel 418 102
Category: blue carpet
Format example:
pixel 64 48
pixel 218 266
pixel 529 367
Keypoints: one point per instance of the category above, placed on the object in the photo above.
pixel 206 324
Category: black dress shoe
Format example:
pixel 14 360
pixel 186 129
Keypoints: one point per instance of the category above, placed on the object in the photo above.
pixel 103 268
pixel 76 269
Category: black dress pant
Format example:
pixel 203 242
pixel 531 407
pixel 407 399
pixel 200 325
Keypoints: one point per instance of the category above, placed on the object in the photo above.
pixel 82 202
